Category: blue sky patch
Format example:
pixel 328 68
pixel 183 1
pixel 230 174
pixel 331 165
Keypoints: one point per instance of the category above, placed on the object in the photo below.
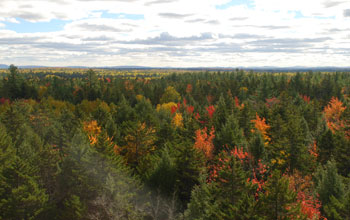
pixel 248 3
pixel 329 17
pixel 34 27
pixel 298 14
pixel 106 14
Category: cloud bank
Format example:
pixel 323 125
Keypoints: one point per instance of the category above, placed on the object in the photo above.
pixel 177 33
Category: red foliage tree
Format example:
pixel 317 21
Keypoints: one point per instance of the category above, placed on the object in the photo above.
pixel 210 111
pixel 271 102
pixel 310 206
pixel 239 106
pixel 305 98
pixel 190 109
pixel 189 88
pixel 173 109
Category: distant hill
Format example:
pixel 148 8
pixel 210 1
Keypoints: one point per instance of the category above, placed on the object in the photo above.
pixel 3 66
pixel 257 69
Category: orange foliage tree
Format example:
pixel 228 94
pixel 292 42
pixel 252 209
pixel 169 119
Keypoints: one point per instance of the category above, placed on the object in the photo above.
pixel 262 127
pixel 93 131
pixel 332 113
pixel 204 142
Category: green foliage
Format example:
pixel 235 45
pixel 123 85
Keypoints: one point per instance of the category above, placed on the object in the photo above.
pixel 141 166
pixel 257 147
pixel 338 209
pixel 329 183
pixel 189 166
pixel 279 201
pixel 230 134
pixel 228 196
pixel 22 197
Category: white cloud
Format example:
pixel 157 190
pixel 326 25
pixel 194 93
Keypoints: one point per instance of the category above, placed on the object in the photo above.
pixel 179 33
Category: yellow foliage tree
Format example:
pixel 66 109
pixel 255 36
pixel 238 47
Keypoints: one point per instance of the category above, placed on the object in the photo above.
pixel 139 97
pixel 166 106
pixel 178 120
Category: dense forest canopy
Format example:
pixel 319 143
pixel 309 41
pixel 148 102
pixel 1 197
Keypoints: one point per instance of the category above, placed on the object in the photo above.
pixel 175 145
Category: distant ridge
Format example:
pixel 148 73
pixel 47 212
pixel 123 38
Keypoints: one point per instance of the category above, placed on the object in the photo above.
pixel 257 69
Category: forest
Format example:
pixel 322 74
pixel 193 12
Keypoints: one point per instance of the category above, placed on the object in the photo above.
pixel 177 145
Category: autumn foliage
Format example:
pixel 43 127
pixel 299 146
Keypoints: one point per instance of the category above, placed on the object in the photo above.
pixel 139 142
pixel 305 98
pixel 303 186
pixel 258 172
pixel 211 111
pixel 93 130
pixel 177 120
pixel 189 88
pixel 272 101
pixel 261 125
pixel 239 106
pixel 332 113
pixel 204 141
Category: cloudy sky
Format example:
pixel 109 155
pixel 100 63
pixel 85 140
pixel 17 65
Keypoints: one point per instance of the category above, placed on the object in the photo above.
pixel 175 33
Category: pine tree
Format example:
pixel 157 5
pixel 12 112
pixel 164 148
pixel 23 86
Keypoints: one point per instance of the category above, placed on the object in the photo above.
pixel 189 166
pixel 326 146
pixel 139 142
pixel 338 209
pixel 14 83
pixel 279 201
pixel 228 194
pixel 230 134
pixel 22 195
pixel 203 204
pixel 221 114
pixel 329 183
pixel 257 147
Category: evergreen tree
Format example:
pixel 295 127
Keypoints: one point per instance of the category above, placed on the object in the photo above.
pixel 14 83
pixel 279 201
pixel 230 134
pixel 329 183
pixel 326 146
pixel 338 209
pixel 22 197
pixel 189 166
pixel 228 194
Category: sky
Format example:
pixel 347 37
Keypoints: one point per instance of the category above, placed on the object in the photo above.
pixel 175 33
